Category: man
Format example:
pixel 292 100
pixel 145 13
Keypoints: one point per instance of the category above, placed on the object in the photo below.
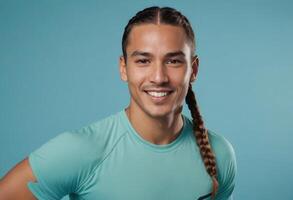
pixel 149 150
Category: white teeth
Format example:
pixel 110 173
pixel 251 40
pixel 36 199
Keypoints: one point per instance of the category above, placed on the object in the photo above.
pixel 158 94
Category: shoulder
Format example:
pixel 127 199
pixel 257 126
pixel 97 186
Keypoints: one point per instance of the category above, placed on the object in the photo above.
pixel 86 142
pixel 221 146
pixel 94 141
pixel 99 136
pixel 226 163
pixel 65 162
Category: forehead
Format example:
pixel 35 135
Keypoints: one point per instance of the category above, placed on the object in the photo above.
pixel 157 38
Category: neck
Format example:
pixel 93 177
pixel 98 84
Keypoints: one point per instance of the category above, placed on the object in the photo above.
pixel 161 130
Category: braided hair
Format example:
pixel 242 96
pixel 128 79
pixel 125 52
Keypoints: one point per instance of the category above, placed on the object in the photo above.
pixel 170 16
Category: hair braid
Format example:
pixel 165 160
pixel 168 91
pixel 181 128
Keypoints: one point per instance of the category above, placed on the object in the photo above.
pixel 167 15
pixel 202 139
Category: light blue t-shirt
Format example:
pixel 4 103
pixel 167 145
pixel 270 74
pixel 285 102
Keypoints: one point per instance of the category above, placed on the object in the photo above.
pixel 109 160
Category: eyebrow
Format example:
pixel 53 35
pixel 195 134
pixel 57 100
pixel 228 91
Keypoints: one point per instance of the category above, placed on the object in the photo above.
pixel 147 54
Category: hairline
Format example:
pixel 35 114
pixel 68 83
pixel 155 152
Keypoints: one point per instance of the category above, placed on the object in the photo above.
pixel 189 42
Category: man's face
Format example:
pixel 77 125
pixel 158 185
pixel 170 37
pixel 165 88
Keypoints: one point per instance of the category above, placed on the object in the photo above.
pixel 158 70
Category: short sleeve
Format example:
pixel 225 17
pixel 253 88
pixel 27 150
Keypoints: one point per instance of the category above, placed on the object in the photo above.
pixel 227 166
pixel 60 167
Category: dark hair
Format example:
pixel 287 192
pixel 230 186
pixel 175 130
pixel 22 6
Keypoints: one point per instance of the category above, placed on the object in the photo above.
pixel 170 16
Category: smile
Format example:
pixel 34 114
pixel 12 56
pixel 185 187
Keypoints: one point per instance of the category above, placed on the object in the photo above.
pixel 158 94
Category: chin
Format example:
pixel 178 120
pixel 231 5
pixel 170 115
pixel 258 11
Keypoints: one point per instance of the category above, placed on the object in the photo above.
pixel 158 113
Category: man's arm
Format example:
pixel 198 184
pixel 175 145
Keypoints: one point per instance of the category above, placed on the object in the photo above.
pixel 14 184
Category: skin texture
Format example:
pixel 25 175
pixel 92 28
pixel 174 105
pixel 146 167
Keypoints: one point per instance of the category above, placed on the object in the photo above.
pixel 155 70
pixel 13 184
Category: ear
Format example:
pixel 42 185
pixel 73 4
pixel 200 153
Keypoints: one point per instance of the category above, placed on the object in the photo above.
pixel 122 69
pixel 194 66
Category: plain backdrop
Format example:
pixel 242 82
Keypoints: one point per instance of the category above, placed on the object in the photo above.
pixel 59 71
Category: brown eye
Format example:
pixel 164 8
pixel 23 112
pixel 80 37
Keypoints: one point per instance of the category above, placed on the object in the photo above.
pixel 174 61
pixel 142 61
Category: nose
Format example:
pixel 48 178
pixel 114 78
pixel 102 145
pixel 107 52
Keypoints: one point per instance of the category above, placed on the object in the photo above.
pixel 159 74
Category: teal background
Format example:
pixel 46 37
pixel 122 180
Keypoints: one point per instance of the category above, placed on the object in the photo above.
pixel 59 71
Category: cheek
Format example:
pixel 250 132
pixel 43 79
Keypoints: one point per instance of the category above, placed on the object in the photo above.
pixel 135 77
pixel 179 78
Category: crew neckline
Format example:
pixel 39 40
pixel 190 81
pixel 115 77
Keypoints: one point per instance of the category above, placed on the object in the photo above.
pixel 154 147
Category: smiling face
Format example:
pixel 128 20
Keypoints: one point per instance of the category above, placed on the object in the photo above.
pixel 158 70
